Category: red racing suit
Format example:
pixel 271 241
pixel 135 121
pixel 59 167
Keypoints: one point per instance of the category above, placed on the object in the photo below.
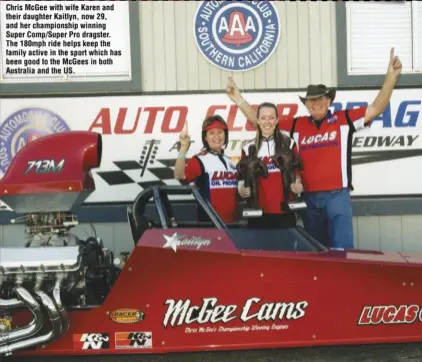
pixel 270 190
pixel 216 177
pixel 326 154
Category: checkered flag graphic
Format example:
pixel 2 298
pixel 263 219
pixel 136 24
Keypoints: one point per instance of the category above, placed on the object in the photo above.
pixel 147 171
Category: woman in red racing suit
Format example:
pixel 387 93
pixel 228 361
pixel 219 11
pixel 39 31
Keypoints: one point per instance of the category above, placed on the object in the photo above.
pixel 270 190
pixel 211 170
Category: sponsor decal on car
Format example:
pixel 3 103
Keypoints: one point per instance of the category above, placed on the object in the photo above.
pixel 91 341
pixel 129 340
pixel 183 312
pixel 390 314
pixel 45 166
pixel 24 126
pixel 177 239
pixel 127 316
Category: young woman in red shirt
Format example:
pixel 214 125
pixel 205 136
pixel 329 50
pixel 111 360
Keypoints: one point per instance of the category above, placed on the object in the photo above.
pixel 270 190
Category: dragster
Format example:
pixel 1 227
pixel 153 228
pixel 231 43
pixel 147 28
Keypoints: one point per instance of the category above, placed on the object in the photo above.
pixel 186 285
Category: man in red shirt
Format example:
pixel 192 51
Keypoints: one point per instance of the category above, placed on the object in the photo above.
pixel 324 143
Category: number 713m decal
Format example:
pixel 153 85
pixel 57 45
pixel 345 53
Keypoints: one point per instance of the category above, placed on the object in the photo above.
pixel 45 166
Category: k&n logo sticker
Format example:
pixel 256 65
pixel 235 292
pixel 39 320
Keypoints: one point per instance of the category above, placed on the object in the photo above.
pixel 91 341
pixel 127 340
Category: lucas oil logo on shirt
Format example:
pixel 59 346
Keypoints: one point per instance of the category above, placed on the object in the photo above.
pixel 224 179
pixel 271 167
pixel 321 140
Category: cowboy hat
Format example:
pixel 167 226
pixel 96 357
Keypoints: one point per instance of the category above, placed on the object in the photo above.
pixel 318 90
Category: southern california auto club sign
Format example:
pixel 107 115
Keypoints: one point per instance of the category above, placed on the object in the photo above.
pixel 237 35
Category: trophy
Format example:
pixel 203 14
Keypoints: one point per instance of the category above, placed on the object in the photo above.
pixel 250 168
pixel 288 162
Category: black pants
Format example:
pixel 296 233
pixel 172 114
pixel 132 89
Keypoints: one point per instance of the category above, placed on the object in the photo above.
pixel 273 221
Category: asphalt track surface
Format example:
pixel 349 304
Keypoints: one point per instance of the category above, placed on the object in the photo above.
pixel 385 353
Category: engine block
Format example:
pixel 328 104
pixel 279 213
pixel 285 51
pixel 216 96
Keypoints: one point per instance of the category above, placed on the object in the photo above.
pixel 40 260
pixel 40 265
pixel 47 280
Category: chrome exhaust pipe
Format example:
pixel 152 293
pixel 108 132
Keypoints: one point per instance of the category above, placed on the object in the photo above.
pixel 65 323
pixel 33 327
pixel 11 303
pixel 54 333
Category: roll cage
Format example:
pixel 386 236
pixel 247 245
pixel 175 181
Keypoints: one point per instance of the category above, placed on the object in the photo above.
pixel 165 218
pixel 159 195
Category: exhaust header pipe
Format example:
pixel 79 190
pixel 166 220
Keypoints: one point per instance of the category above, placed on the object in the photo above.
pixel 50 306
pixel 33 327
pixel 61 309
pixel 11 303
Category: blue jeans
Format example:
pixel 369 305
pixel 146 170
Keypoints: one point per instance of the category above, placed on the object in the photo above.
pixel 328 218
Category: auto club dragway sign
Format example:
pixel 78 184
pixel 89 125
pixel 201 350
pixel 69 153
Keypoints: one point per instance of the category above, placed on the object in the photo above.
pixel 237 35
